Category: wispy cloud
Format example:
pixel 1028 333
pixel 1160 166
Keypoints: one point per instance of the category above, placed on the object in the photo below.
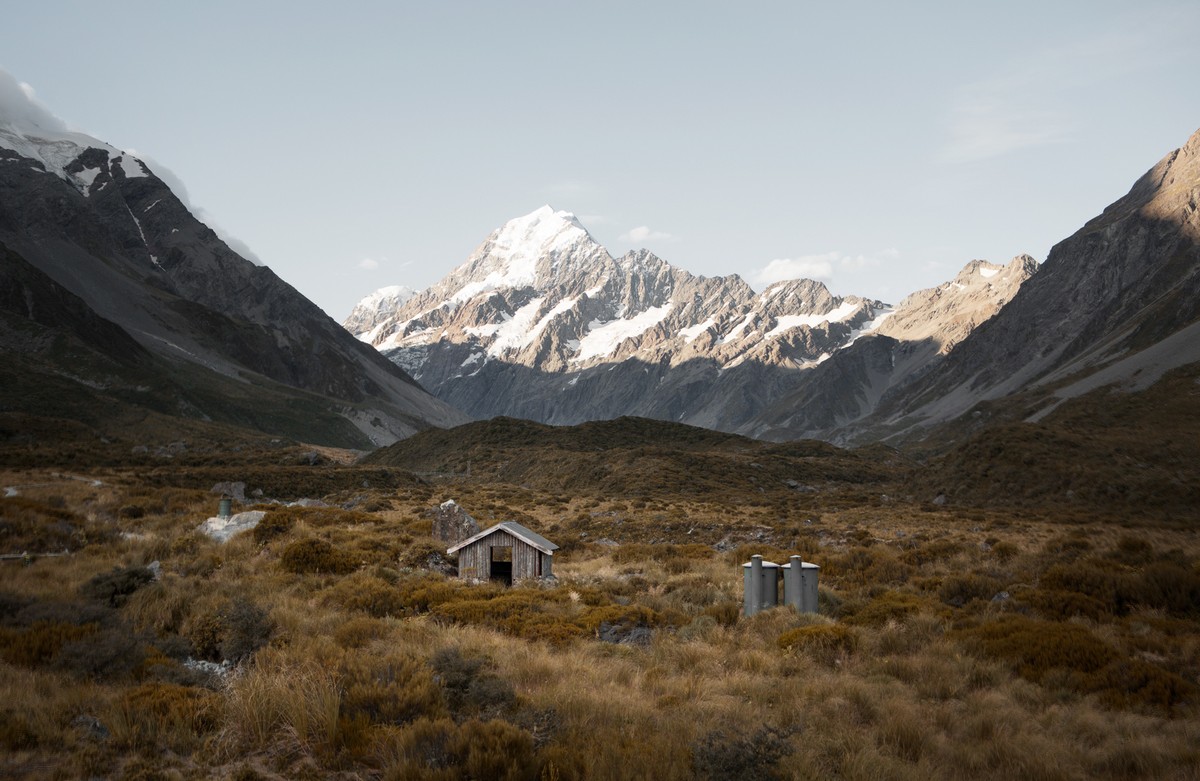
pixel 643 233
pixel 804 267
pixel 1021 105
pixel 820 267
pixel 993 126
pixel 368 264
pixel 19 105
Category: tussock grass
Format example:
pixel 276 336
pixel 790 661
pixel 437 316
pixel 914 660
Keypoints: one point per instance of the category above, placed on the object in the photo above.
pixel 950 643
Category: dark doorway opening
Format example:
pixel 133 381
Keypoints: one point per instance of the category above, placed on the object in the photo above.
pixel 502 566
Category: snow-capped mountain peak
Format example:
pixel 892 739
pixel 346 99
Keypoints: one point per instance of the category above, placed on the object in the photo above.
pixel 34 133
pixel 531 251
pixel 542 231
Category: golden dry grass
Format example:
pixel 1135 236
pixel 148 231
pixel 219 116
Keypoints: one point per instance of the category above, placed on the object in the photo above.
pixel 904 674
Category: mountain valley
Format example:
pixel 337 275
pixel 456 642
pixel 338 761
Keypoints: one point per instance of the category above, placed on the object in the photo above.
pixel 996 478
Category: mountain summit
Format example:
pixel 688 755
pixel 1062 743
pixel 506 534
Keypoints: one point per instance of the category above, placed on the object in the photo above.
pixel 542 322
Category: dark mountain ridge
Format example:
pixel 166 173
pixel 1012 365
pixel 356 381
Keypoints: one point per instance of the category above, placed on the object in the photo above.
pixel 109 231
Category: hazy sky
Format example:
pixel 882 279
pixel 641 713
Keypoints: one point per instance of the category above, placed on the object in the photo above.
pixel 875 146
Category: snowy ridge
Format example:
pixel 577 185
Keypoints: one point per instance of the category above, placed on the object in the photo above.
pixel 58 150
pixel 540 292
pixel 541 321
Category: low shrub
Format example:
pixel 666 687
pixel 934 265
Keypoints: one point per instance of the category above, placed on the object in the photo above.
pixel 232 631
pixel 110 654
pixel 248 627
pixel 1062 605
pixel 16 733
pixel 1070 655
pixel 440 749
pixel 721 756
pixel 1035 648
pixel 876 565
pixel 359 631
pixel 38 644
pixel 420 595
pixel 114 588
pixel 724 613
pixel 273 525
pixel 888 606
pixel 918 552
pixel 1132 683
pixel 621 615
pixel 316 556
pixel 958 590
pixel 1169 586
pixel 155 715
pixel 1101 582
pixel 368 594
pixel 469 684
pixel 392 689
pixel 825 642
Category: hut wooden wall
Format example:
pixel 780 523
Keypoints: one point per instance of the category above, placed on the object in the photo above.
pixel 475 560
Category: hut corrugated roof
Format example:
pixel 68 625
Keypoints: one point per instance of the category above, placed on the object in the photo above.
pixel 516 530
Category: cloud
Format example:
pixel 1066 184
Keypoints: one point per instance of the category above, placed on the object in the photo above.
pixel 368 264
pixel 19 105
pixel 1021 105
pixel 803 267
pixel 991 126
pixel 820 267
pixel 643 233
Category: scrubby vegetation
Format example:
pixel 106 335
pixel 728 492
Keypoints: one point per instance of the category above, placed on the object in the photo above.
pixel 330 642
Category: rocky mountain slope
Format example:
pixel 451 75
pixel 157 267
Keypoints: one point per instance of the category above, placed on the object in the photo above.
pixel 1116 306
pixel 84 222
pixel 925 327
pixel 541 322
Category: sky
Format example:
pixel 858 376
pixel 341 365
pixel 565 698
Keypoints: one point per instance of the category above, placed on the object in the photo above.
pixel 877 147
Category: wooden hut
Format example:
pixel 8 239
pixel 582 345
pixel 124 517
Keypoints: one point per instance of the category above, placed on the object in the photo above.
pixel 507 551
